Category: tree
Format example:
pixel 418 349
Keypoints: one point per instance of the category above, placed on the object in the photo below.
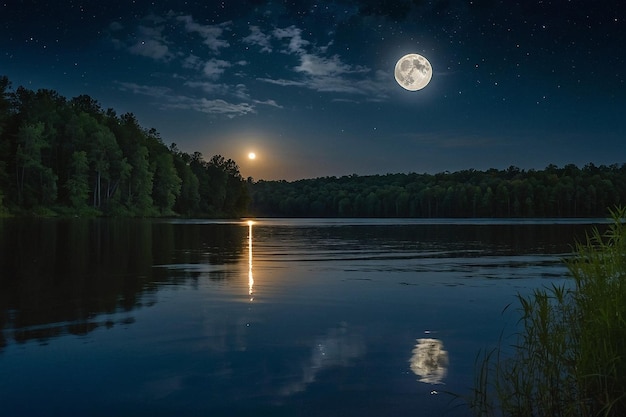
pixel 166 185
pixel 102 154
pixel 5 104
pixel 45 141
pixel 140 183
pixel 188 200
pixel 199 168
pixel 36 183
pixel 86 104
pixel 78 183
pixel 5 113
pixel 226 191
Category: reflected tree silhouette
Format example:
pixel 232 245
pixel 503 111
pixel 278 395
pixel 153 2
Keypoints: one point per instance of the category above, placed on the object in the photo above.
pixel 58 276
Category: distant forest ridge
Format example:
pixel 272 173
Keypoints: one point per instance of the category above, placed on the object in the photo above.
pixel 569 191
pixel 71 157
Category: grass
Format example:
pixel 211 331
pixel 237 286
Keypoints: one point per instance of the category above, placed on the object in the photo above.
pixel 569 356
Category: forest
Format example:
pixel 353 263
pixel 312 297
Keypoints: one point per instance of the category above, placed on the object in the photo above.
pixel 70 157
pixel 73 158
pixel 569 191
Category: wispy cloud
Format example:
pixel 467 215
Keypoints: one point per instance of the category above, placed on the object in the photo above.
pixel 258 38
pixel 192 62
pixel 321 66
pixel 283 82
pixel 373 88
pixel 167 99
pixel 318 71
pixel 147 90
pixel 216 107
pixel 210 34
pixel 271 103
pixel 214 68
pixel 159 38
pixel 148 41
pixel 151 48
pixel 293 35
pixel 220 79
pixel 220 89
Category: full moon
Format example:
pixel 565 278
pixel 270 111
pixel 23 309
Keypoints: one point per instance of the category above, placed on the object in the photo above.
pixel 413 72
pixel 251 155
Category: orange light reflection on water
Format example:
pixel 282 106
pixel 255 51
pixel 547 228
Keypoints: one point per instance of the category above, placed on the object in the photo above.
pixel 250 277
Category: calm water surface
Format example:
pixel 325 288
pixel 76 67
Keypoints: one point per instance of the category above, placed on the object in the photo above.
pixel 280 318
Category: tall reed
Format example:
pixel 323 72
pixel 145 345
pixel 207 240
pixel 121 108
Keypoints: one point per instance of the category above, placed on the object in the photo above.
pixel 569 355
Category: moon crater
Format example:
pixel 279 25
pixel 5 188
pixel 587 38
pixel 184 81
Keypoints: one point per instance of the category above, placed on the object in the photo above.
pixel 413 72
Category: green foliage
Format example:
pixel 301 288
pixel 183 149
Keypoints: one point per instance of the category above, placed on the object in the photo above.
pixel 188 201
pixel 553 192
pixel 5 105
pixel 132 173
pixel 568 357
pixel 167 183
pixel 77 183
pixel 3 211
pixel 600 275
pixel 73 158
pixel 36 182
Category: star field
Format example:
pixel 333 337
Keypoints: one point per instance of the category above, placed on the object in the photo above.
pixel 309 86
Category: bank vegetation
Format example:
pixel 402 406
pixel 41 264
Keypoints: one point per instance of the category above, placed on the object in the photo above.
pixel 567 357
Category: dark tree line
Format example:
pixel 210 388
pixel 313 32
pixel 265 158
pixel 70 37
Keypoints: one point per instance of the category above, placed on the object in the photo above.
pixel 72 157
pixel 569 191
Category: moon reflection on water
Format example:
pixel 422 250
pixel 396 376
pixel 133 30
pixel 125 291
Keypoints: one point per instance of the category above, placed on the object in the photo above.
pixel 429 361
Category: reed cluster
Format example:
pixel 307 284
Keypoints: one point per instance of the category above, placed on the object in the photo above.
pixel 568 357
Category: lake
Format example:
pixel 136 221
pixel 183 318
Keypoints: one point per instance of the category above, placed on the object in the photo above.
pixel 282 317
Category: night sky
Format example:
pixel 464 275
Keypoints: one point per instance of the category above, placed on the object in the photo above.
pixel 309 85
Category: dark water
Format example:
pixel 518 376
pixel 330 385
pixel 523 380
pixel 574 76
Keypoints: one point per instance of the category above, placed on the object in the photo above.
pixel 307 318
